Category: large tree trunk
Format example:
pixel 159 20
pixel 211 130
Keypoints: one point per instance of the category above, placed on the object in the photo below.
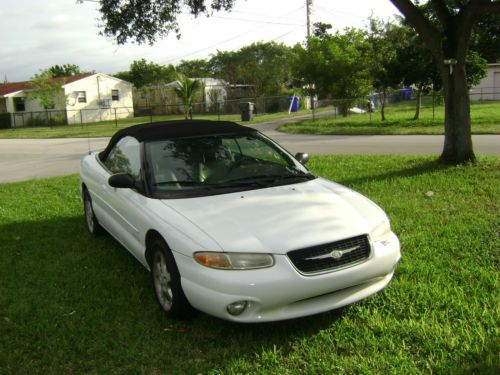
pixel 457 126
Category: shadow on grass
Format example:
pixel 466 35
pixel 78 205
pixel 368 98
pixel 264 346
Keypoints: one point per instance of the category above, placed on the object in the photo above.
pixel 79 303
pixel 416 170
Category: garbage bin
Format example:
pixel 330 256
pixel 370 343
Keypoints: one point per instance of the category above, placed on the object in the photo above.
pixel 293 102
pixel 246 110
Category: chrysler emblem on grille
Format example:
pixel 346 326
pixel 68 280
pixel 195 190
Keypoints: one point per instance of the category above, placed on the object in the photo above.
pixel 335 254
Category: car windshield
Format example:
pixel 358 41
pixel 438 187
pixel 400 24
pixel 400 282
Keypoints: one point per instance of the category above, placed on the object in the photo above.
pixel 219 164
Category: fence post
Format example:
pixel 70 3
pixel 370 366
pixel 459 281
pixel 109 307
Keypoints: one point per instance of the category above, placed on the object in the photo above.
pixel 116 120
pixel 81 119
pixel 218 111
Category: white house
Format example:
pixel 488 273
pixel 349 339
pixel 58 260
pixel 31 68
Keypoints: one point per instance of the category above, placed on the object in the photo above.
pixel 82 99
pixel 214 90
pixel 489 87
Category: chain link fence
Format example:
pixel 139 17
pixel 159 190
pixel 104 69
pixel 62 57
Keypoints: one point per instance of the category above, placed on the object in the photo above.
pixel 430 101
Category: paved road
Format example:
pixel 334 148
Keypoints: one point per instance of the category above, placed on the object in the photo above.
pixel 22 159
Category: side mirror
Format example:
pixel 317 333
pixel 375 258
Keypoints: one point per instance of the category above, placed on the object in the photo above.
pixel 302 157
pixel 122 181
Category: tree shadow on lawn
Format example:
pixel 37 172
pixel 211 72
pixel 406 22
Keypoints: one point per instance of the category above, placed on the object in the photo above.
pixel 75 302
pixel 417 169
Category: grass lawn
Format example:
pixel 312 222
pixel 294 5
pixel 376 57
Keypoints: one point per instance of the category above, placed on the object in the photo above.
pixel 485 117
pixel 71 303
pixel 108 128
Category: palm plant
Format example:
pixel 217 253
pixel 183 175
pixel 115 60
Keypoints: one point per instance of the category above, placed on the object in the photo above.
pixel 186 90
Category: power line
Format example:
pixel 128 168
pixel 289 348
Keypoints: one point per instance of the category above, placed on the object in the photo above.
pixel 336 12
pixel 256 21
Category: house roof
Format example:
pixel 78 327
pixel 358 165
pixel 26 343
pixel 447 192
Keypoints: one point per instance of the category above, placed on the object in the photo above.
pixel 9 88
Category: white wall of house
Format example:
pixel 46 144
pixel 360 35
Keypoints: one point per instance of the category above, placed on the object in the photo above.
pixel 98 98
pixel 33 110
pixel 489 87
pixel 95 98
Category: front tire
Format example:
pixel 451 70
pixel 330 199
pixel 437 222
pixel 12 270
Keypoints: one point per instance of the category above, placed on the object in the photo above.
pixel 167 282
pixel 93 225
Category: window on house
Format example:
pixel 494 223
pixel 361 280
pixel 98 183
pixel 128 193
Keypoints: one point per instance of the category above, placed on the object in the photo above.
pixel 19 105
pixel 115 95
pixel 82 97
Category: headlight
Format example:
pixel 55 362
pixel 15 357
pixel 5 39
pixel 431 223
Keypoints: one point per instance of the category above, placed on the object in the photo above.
pixel 234 261
pixel 381 230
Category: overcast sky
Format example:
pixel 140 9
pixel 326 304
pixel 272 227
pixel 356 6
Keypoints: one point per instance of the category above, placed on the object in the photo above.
pixel 37 34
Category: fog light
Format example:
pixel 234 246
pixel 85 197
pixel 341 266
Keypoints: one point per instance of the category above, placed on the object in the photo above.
pixel 236 308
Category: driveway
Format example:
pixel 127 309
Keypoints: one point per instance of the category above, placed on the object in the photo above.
pixel 22 159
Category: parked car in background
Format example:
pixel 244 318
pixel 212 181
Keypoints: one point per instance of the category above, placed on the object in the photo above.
pixel 229 223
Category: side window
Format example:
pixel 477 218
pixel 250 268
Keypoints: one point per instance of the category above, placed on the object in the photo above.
pixel 125 158
pixel 82 97
pixel 19 104
pixel 115 95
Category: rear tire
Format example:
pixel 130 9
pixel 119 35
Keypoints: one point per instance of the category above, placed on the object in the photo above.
pixel 167 282
pixel 93 225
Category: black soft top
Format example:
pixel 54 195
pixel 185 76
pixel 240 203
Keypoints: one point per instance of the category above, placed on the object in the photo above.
pixel 176 129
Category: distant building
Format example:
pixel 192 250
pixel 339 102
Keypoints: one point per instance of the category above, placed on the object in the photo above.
pixel 160 98
pixel 489 87
pixel 82 99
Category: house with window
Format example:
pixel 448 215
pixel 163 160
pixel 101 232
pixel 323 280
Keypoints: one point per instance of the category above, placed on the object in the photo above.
pixel 81 99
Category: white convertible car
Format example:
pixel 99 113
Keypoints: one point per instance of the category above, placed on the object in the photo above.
pixel 229 223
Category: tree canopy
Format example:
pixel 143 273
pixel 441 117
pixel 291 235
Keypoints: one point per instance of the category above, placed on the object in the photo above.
pixel 143 73
pixel 143 21
pixel 47 89
pixel 334 65
pixel 65 70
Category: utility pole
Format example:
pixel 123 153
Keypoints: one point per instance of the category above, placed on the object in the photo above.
pixel 308 11
pixel 310 86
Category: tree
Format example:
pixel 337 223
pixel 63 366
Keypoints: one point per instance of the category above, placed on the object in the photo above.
pixel 334 66
pixel 186 90
pixel 143 21
pixel 264 65
pixel 485 38
pixel 149 78
pixel 47 89
pixel 383 38
pixel 447 32
pixel 142 73
pixel 200 68
pixel 414 64
pixel 66 70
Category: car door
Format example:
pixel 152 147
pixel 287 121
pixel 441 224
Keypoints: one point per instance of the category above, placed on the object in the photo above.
pixel 125 207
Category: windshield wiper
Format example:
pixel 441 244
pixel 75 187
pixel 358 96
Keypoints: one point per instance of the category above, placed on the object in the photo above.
pixel 263 179
pixel 172 182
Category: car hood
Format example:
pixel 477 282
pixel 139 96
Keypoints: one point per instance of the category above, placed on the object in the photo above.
pixel 282 218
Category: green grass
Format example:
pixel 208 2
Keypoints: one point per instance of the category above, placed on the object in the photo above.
pixel 108 128
pixel 485 119
pixel 71 303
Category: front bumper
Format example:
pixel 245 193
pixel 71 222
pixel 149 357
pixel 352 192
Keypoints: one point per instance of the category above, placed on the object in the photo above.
pixel 280 292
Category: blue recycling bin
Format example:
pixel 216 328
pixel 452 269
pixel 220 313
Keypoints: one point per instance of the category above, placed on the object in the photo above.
pixel 295 104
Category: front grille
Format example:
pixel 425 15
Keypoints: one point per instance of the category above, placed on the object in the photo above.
pixel 328 257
